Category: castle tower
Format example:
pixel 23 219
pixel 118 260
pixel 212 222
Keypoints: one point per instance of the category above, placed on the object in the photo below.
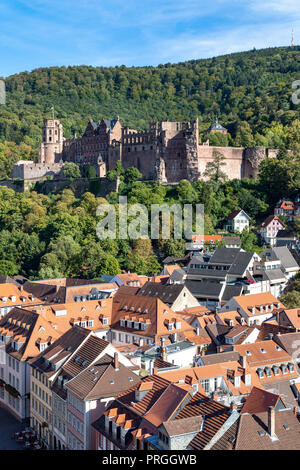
pixel 216 127
pixel 52 146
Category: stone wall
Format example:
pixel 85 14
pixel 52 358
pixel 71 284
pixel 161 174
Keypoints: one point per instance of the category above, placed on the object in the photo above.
pixel 233 155
pixel 98 186
pixel 34 171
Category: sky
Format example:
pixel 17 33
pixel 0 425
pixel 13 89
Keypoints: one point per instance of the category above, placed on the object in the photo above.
pixel 43 33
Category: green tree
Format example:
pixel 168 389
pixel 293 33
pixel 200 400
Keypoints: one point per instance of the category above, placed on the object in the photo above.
pixel 291 299
pixel 71 170
pixel 8 268
pixel 91 174
pixel 213 169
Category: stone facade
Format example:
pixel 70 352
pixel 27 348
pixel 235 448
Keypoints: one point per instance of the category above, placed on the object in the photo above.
pixel 167 152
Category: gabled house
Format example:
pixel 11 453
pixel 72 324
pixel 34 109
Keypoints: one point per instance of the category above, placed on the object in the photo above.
pixel 270 361
pixel 286 208
pixel 255 308
pixel 289 318
pixel 237 221
pixel 141 320
pixel 23 335
pixel 90 392
pixel 94 315
pixel 176 296
pixel 67 290
pixel 269 229
pixel 264 423
pixel 158 414
pixel 13 295
pixel 71 355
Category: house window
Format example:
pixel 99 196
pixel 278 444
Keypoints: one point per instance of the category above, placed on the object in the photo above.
pixel 205 385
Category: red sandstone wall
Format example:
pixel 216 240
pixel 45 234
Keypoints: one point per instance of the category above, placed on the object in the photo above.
pixel 233 155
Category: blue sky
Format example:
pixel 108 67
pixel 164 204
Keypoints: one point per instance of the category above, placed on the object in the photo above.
pixel 41 33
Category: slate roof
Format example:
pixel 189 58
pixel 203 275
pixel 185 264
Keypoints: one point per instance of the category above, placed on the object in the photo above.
pixel 234 213
pixel 286 257
pixel 177 275
pixel 240 263
pixel 216 126
pixel 204 288
pixel 167 293
pixel 274 274
pixel 232 240
pixel 231 291
pixel 224 255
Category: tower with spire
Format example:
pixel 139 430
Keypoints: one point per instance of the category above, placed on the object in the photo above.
pixel 216 127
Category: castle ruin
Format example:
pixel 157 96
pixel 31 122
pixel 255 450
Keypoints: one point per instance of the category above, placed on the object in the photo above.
pixel 167 152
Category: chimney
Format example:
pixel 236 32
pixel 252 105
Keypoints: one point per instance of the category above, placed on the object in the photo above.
pixel 21 288
pixel 197 331
pixel 233 406
pixel 278 317
pixel 271 421
pixel 116 361
pixel 151 367
pixel 163 350
pixel 243 361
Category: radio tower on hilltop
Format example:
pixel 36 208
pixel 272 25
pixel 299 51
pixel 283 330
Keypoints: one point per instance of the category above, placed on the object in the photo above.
pixel 292 41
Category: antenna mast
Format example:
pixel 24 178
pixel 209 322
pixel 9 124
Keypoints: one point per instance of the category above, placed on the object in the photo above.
pixel 292 41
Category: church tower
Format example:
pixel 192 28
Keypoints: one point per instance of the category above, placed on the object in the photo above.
pixel 51 148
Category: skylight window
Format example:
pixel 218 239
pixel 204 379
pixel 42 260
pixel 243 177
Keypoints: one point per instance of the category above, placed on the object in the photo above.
pixel 84 362
pixel 77 358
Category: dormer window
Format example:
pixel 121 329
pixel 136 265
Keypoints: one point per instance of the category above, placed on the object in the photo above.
pixel 291 367
pixel 284 368
pixel 249 353
pixel 13 298
pixel 262 350
pixel 268 371
pixel 105 321
pixel 171 326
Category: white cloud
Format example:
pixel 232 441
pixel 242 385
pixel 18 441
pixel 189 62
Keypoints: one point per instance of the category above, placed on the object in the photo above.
pixel 276 6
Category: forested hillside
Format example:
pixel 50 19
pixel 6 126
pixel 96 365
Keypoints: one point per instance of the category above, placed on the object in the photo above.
pixel 249 91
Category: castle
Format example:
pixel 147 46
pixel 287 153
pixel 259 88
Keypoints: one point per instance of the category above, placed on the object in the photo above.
pixel 168 152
